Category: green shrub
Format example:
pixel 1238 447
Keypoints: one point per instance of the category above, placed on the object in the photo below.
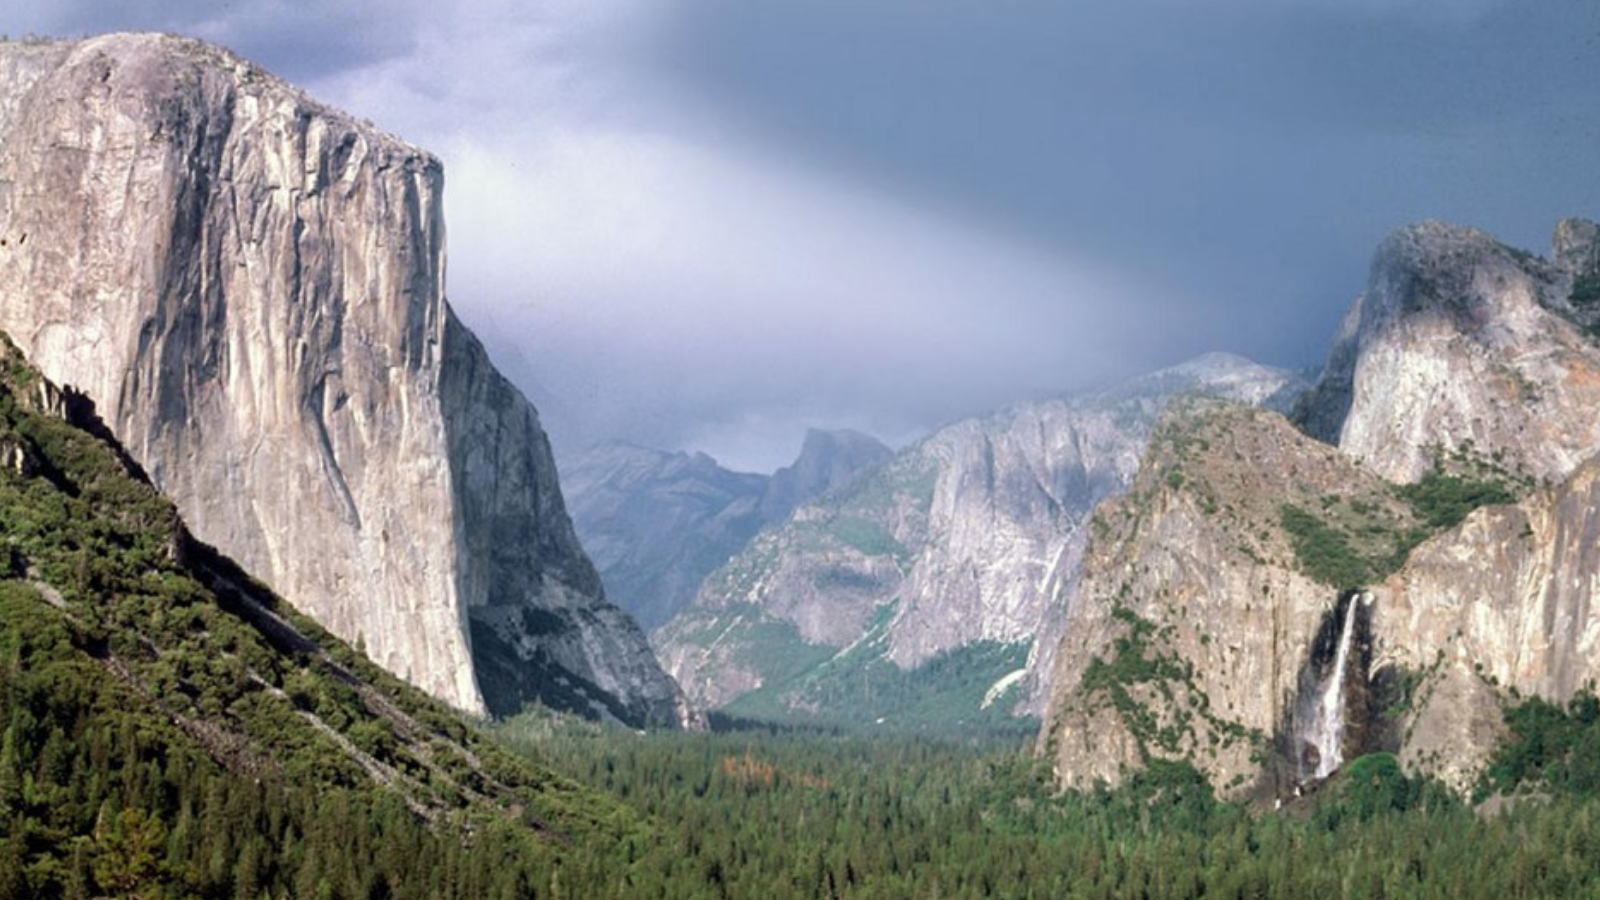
pixel 1443 501
pixel 1550 747
pixel 1585 289
pixel 1325 553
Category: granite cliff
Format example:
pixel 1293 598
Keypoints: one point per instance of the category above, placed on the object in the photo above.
pixel 657 523
pixel 951 559
pixel 1463 342
pixel 251 287
pixel 1267 606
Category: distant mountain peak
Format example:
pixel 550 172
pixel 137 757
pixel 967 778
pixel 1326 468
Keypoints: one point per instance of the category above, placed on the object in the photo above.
pixel 657 522
pixel 828 459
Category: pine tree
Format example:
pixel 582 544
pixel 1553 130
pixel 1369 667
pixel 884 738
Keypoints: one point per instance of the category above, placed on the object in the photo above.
pixel 128 849
pixel 14 860
pixel 10 776
pixel 80 876
pixel 247 871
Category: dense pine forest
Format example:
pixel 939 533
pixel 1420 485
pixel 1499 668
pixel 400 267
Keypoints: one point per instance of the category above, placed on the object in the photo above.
pixel 774 813
pixel 107 804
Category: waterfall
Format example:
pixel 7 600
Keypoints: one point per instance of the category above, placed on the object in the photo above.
pixel 1327 730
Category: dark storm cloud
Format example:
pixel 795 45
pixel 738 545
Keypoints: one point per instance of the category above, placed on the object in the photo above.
pixel 1251 152
pixel 711 222
pixel 299 40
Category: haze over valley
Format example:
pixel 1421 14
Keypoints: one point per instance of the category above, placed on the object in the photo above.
pixel 801 450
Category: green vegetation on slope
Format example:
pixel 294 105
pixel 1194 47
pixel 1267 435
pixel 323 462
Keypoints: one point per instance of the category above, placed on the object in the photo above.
pixel 857 687
pixel 864 691
pixel 1350 543
pixel 1443 499
pixel 1585 290
pixel 1328 550
pixel 1346 528
pixel 1153 691
pixel 101 794
pixel 171 729
pixel 857 542
pixel 1551 747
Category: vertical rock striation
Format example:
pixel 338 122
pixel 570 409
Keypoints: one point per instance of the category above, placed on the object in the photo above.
pixel 1505 604
pixel 251 286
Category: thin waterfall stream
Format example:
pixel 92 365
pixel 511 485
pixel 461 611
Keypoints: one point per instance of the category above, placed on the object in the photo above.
pixel 1327 730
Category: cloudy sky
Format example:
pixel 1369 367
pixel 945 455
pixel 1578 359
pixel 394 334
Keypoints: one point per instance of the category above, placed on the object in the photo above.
pixel 707 224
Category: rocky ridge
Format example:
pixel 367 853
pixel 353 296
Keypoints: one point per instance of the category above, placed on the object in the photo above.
pixel 1459 557
pixel 657 523
pixel 251 286
pixel 963 546
pixel 1193 619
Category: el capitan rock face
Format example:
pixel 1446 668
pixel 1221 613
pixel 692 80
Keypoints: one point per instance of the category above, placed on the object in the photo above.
pixel 251 287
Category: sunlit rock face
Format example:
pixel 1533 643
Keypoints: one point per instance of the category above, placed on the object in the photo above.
pixel 251 287
pixel 1196 632
pixel 1462 342
pixel 1241 647
pixel 1191 624
pixel 972 536
pixel 1504 605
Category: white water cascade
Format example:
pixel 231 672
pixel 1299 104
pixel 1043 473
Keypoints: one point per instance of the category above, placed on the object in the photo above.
pixel 1327 729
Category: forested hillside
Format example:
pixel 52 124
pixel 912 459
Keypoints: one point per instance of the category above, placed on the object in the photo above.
pixel 172 729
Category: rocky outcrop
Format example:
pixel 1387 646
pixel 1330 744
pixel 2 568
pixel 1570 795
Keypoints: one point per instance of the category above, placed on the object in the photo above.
pixel 1206 618
pixel 1193 620
pixel 970 538
pixel 657 523
pixel 1502 606
pixel 251 286
pixel 1461 342
pixel 1216 592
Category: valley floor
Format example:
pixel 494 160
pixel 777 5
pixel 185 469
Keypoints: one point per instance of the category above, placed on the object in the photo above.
pixel 775 814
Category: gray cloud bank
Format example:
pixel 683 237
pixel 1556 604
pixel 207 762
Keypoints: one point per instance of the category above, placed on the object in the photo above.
pixel 709 223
